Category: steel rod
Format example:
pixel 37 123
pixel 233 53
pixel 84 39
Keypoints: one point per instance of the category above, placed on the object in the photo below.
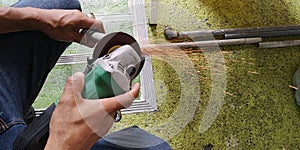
pixel 171 34
pixel 211 43
pixel 260 29
pixel 278 44
pixel 263 34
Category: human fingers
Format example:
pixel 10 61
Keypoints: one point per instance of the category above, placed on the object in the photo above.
pixel 87 39
pixel 79 22
pixel 95 25
pixel 116 103
pixel 92 23
pixel 73 87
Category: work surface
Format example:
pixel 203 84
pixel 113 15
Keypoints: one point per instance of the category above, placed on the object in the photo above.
pixel 258 110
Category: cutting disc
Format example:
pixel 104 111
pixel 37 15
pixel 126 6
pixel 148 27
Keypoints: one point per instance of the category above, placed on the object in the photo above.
pixel 112 41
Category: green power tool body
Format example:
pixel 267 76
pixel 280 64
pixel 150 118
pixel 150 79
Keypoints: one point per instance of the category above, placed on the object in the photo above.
pixel 113 67
pixel 116 61
pixel 111 74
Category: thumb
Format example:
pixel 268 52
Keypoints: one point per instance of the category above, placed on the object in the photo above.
pixel 125 100
pixel 78 83
pixel 74 86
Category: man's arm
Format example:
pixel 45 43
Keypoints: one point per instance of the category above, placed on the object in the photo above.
pixel 62 25
pixel 17 19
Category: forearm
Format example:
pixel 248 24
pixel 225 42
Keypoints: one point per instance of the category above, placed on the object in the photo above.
pixel 58 24
pixel 18 19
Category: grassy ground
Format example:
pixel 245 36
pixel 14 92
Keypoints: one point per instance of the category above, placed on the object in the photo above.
pixel 258 110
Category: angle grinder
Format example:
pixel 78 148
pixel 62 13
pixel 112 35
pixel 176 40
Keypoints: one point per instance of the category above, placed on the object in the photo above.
pixel 115 62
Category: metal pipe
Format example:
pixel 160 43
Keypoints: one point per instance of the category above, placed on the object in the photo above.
pixel 171 34
pixel 153 12
pixel 263 34
pixel 210 43
pixel 278 44
pixel 260 29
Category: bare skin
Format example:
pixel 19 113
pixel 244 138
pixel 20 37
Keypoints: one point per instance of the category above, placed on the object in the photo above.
pixel 77 123
pixel 62 25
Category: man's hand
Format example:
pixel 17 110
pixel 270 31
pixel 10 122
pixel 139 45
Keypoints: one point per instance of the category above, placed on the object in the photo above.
pixel 77 123
pixel 61 25
pixel 64 25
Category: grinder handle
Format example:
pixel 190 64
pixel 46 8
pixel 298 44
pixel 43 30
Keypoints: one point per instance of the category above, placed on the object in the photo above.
pixel 92 35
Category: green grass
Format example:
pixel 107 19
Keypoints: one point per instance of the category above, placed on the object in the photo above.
pixel 259 110
pixel 54 85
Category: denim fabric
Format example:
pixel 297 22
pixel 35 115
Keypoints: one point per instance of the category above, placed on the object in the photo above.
pixel 49 4
pixel 132 138
pixel 26 58
pixel 7 138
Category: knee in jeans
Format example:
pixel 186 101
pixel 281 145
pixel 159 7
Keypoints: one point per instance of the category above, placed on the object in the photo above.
pixel 70 4
pixel 49 4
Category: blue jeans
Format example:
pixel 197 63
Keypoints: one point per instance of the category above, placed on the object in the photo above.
pixel 26 58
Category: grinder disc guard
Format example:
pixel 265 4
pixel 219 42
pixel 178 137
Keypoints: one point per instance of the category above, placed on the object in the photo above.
pixel 109 42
